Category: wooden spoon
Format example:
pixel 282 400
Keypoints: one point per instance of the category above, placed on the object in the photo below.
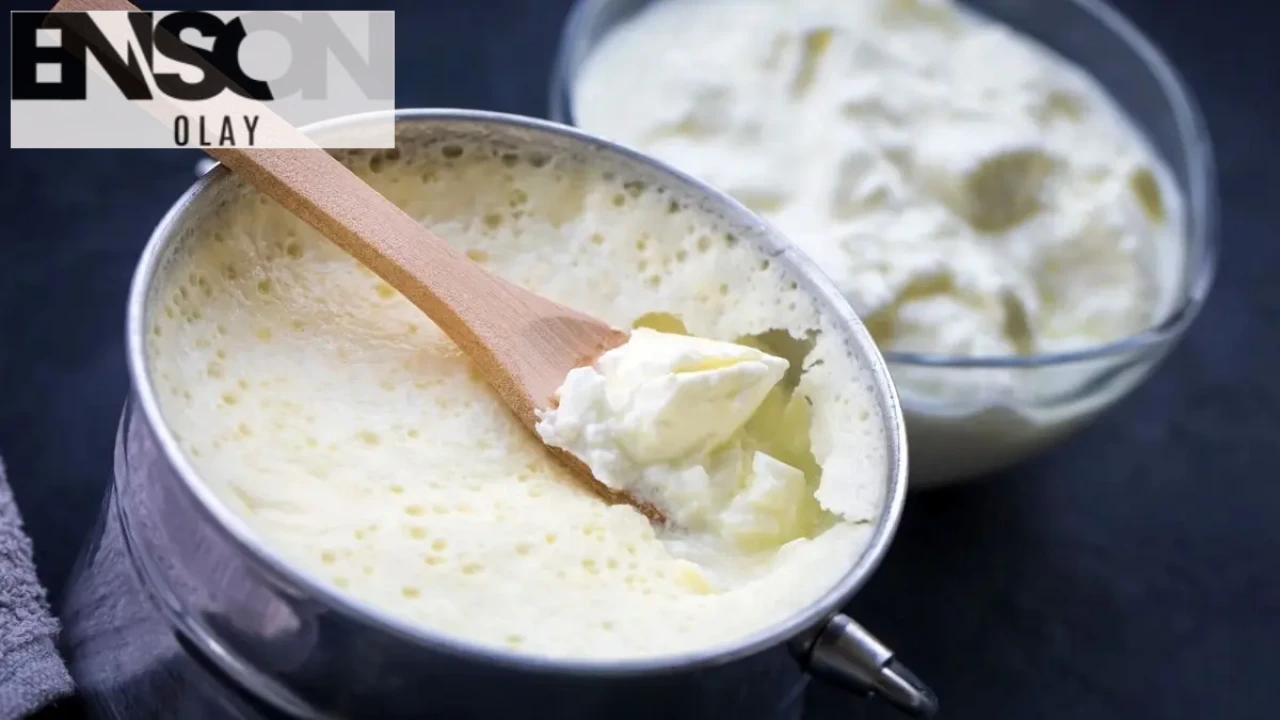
pixel 523 344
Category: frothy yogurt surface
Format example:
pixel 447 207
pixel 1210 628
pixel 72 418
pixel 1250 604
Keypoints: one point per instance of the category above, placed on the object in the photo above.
pixel 357 441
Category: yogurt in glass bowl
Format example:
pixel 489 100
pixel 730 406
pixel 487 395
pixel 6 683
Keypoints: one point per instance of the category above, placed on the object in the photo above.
pixel 1018 198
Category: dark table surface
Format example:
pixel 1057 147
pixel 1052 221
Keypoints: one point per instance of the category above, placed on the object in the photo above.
pixel 1132 572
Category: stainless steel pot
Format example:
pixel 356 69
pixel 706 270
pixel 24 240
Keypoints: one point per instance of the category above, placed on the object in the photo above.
pixel 176 597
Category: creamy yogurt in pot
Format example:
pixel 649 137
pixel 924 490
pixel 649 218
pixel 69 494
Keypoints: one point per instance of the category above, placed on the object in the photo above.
pixel 356 439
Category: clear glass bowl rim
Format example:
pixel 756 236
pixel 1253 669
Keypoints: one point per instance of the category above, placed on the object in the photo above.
pixel 1201 198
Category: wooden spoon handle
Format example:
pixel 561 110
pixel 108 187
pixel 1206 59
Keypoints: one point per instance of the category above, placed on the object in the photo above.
pixel 303 178
pixel 311 184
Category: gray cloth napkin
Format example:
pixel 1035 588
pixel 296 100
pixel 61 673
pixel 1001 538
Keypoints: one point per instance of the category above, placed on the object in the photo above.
pixel 32 674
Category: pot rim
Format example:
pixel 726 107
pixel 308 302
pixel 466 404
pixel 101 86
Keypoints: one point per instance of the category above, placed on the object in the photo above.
pixel 279 571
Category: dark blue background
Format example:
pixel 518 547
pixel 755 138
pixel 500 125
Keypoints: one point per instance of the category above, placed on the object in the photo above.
pixel 1133 572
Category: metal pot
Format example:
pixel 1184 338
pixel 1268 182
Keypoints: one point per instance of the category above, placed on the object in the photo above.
pixel 176 602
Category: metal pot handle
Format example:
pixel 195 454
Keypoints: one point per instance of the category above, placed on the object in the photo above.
pixel 846 655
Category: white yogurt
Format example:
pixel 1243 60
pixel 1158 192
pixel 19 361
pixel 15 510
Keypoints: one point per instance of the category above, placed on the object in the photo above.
pixel 971 193
pixel 664 418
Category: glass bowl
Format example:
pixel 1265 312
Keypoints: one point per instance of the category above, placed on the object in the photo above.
pixel 1020 405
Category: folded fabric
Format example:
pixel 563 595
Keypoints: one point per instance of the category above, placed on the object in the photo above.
pixel 32 674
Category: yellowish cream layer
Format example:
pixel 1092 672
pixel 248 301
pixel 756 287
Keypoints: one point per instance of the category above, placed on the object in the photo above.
pixel 351 435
